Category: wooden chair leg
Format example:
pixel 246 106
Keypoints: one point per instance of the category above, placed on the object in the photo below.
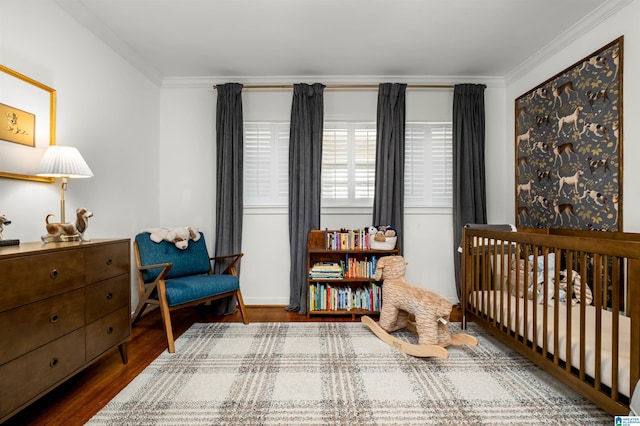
pixel 166 321
pixel 243 312
pixel 166 315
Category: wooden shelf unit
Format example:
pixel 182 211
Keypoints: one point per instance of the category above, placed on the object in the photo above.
pixel 317 252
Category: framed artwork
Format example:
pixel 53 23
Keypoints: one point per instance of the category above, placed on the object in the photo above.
pixel 568 144
pixel 27 125
pixel 20 126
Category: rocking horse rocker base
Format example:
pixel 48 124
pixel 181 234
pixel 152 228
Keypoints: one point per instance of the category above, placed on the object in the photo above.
pixel 417 350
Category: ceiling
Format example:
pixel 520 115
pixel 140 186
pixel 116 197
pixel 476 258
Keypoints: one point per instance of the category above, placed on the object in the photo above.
pixel 249 39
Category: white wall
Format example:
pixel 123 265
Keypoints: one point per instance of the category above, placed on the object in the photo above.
pixel 187 190
pixel 153 150
pixel 105 108
pixel 625 22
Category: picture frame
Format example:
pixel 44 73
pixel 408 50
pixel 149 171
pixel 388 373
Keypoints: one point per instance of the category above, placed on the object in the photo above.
pixel 568 146
pixel 24 94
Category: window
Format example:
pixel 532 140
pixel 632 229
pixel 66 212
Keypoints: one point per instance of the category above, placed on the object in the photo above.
pixel 266 158
pixel 428 174
pixel 348 164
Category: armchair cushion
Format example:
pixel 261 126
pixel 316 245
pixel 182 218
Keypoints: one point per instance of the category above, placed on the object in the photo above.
pixel 190 288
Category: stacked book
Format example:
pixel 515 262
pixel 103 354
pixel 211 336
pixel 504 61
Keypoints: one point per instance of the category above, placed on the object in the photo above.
pixel 359 268
pixel 326 271
pixel 326 297
pixel 347 239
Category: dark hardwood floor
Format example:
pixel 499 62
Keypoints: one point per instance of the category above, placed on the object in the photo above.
pixel 78 399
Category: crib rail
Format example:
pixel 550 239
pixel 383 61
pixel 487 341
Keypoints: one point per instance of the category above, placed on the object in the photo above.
pixel 567 300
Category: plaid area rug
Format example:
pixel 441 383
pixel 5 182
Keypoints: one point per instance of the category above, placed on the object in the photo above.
pixel 337 373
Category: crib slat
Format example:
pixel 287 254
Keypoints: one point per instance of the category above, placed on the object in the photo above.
pixel 569 313
pixel 525 318
pixel 556 306
pixel 633 311
pixel 615 326
pixel 583 315
pixel 597 285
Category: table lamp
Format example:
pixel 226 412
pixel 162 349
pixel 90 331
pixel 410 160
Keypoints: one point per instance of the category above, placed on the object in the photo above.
pixel 63 162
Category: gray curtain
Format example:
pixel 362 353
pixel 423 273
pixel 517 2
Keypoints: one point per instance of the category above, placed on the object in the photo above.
pixel 229 147
pixel 305 183
pixel 469 193
pixel 388 199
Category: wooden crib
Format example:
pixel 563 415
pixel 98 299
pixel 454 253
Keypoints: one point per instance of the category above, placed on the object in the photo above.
pixel 567 300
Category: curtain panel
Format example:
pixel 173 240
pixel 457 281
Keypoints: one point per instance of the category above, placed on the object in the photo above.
pixel 388 198
pixel 229 179
pixel 305 183
pixel 469 192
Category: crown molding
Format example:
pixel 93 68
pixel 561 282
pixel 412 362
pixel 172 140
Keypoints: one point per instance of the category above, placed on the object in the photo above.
pixel 573 33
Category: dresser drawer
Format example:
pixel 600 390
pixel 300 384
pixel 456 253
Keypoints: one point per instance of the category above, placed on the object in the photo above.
pixel 31 326
pixel 106 332
pixel 27 376
pixel 107 261
pixel 106 296
pixel 28 278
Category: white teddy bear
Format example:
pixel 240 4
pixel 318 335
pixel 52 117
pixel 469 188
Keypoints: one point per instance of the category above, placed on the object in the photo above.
pixel 179 236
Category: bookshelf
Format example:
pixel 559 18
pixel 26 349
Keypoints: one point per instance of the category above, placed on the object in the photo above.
pixel 341 265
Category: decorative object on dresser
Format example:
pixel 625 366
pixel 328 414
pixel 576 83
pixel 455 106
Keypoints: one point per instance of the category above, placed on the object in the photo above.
pixel 64 306
pixel 4 221
pixel 71 231
pixel 341 267
pixel 63 162
pixel 173 278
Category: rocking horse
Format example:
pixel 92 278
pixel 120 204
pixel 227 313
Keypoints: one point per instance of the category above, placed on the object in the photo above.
pixel 402 304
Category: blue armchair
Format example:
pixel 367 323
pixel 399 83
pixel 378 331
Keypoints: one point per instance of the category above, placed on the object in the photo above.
pixel 172 278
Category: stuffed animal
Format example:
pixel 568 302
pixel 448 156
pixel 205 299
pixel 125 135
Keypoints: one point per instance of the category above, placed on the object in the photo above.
pixel 384 231
pixel 4 220
pixel 179 236
pixel 431 310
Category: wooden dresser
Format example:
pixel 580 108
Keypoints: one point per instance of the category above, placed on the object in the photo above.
pixel 62 306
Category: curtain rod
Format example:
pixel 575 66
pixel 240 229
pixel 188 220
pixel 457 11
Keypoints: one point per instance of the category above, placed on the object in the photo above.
pixel 344 86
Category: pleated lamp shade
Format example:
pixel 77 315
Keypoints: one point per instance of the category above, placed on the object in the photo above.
pixel 63 162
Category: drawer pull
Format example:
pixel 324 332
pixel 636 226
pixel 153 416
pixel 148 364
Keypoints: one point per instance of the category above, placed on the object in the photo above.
pixel 53 363
pixel 109 330
pixel 109 296
pixel 109 261
pixel 53 318
pixel 54 274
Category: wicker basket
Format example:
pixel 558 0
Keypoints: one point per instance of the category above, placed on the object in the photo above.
pixel 388 244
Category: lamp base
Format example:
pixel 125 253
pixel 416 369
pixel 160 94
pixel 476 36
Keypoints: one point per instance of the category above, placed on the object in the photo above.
pixel 62 238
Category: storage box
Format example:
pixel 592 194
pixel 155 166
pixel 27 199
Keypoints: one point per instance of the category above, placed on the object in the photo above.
pixel 388 244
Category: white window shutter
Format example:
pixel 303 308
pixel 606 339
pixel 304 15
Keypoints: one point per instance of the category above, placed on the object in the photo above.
pixel 266 156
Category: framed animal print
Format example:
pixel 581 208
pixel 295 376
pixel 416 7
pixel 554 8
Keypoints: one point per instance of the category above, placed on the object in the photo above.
pixel 27 126
pixel 568 136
